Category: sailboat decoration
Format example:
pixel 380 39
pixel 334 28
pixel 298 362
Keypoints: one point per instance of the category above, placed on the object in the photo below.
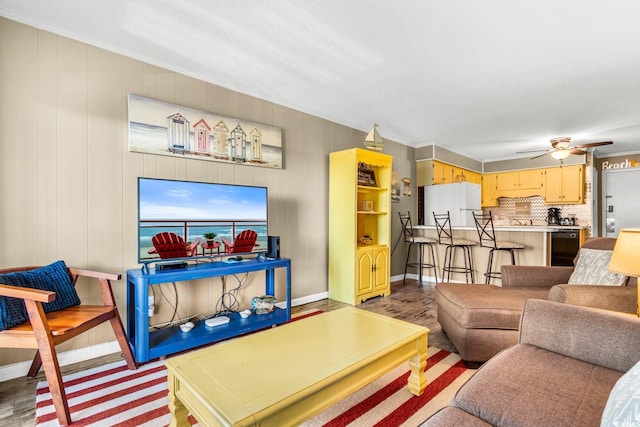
pixel 373 141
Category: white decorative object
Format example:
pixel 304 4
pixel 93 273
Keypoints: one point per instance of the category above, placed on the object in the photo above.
pixel 373 141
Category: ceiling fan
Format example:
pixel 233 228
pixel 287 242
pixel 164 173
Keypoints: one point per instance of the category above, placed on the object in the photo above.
pixel 562 148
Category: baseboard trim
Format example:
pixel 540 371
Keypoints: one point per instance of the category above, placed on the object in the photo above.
pixel 309 298
pixel 21 369
pixel 413 276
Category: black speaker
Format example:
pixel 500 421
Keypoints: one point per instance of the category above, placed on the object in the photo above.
pixel 273 247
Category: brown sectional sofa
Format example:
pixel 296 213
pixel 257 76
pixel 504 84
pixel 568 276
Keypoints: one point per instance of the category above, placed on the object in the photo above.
pixel 560 372
pixel 481 320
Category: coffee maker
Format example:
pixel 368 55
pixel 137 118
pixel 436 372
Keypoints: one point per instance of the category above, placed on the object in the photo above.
pixel 553 216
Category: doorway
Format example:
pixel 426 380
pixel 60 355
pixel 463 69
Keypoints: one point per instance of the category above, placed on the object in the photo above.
pixel 620 200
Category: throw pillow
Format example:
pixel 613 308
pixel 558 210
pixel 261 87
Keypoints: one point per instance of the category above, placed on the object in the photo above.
pixel 53 277
pixel 593 269
pixel 623 404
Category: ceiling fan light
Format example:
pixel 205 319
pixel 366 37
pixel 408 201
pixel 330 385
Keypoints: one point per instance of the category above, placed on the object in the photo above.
pixel 560 154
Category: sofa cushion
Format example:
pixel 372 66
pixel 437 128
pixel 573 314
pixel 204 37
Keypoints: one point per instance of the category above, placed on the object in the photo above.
pixel 53 277
pixel 623 405
pixel 526 385
pixel 593 269
pixel 485 306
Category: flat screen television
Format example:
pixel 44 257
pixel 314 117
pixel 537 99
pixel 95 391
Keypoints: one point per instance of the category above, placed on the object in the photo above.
pixel 180 214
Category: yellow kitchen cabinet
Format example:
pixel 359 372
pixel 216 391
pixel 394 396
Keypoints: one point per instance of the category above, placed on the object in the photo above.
pixel 473 177
pixel 489 190
pixel 424 173
pixel 442 173
pixel 523 183
pixel 359 222
pixel 565 185
pixel 372 277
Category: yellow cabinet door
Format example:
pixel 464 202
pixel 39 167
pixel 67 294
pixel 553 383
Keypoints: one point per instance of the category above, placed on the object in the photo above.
pixel 553 190
pixel 573 184
pixel 489 190
pixel 458 174
pixel 372 272
pixel 524 183
pixel 364 272
pixel 474 177
pixel 506 181
pixel 565 185
pixel 531 179
pixel 380 279
pixel 441 173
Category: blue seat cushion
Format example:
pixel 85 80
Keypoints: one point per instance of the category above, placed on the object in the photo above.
pixel 53 277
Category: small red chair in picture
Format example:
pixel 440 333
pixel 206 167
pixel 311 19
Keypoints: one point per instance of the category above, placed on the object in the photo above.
pixel 170 245
pixel 244 242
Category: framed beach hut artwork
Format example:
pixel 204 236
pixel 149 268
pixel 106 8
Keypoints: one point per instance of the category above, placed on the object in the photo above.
pixel 158 127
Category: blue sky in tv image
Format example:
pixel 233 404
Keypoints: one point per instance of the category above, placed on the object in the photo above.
pixel 191 209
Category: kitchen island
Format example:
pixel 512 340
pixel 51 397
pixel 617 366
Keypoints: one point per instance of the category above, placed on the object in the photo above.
pixel 535 238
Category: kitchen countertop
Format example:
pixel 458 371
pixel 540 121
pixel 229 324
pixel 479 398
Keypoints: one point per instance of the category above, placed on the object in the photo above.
pixel 525 228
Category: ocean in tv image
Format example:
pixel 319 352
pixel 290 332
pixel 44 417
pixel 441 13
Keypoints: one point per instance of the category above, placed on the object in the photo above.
pixel 191 209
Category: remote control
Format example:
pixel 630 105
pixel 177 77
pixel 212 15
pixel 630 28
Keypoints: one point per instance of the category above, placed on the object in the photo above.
pixel 217 321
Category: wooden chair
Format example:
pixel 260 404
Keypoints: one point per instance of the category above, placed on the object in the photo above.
pixel 244 242
pixel 44 331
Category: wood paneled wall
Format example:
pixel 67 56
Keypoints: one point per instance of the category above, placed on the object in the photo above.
pixel 68 183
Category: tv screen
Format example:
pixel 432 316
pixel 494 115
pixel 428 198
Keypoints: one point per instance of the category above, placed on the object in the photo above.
pixel 178 219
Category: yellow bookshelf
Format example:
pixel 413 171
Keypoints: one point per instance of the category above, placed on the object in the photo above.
pixel 359 225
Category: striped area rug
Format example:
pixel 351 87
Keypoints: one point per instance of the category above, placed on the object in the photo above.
pixel 115 396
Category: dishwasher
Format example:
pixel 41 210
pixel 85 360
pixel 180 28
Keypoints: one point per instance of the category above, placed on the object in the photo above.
pixel 564 247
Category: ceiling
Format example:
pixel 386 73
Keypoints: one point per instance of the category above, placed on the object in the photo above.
pixel 483 79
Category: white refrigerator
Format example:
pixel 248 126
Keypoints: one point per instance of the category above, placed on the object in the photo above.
pixel 460 199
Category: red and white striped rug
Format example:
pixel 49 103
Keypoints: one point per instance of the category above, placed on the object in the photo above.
pixel 112 395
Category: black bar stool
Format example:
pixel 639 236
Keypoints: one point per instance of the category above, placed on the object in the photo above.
pixel 484 225
pixel 445 237
pixel 421 242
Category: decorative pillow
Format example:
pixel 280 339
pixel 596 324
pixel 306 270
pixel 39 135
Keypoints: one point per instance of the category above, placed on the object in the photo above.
pixel 623 404
pixel 593 269
pixel 53 277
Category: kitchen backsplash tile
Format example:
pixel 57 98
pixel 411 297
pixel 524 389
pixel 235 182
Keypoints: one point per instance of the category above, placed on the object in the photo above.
pixel 506 211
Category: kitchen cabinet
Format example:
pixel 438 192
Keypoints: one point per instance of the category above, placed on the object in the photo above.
pixel 359 225
pixel 523 183
pixel 564 185
pixel 489 190
pixel 372 277
pixel 434 172
pixel 442 173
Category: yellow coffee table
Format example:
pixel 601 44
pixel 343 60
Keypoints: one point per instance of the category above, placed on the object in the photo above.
pixel 285 375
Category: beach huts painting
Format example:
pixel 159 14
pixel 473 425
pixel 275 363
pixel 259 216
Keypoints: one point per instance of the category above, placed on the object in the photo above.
pixel 159 127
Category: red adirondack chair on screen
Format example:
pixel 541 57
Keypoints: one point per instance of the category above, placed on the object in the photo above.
pixel 170 245
pixel 244 242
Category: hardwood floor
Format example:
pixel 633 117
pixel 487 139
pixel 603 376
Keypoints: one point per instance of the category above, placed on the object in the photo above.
pixel 412 303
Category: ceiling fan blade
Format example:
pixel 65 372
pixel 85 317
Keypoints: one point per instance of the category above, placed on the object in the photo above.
pixel 540 155
pixel 532 151
pixel 577 151
pixel 593 144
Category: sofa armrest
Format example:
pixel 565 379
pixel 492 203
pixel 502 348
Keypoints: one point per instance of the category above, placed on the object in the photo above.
pixel 534 276
pixel 616 298
pixel 605 338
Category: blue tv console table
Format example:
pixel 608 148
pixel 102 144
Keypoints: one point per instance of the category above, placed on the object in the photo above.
pixel 149 345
